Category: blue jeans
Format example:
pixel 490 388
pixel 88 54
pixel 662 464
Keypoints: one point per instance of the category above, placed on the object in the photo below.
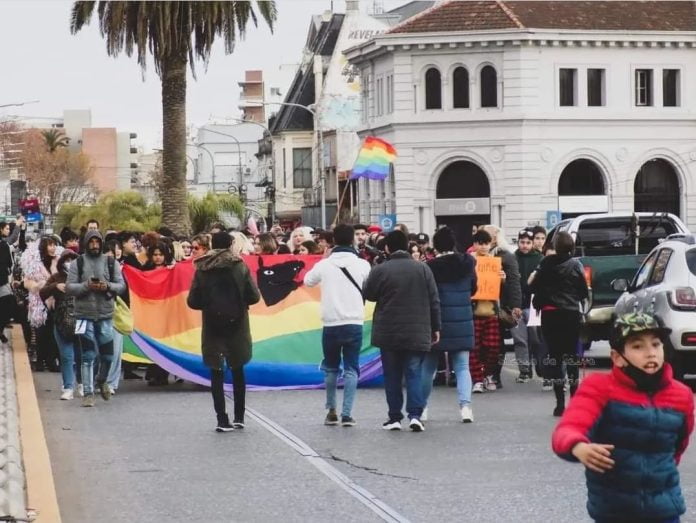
pixel 114 375
pixel 66 348
pixel 340 340
pixel 460 360
pixel 99 335
pixel 397 365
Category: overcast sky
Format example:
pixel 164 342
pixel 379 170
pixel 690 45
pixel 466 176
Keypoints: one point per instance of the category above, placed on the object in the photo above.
pixel 41 60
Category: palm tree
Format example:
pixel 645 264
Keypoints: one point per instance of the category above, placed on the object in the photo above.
pixel 212 208
pixel 55 139
pixel 176 34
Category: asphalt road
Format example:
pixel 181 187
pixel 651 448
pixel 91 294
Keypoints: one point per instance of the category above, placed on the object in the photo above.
pixel 152 455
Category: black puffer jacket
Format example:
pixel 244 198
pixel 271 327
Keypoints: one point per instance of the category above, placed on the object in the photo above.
pixel 559 282
pixel 511 294
pixel 408 304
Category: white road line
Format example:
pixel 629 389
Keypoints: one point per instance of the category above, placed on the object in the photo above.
pixel 384 511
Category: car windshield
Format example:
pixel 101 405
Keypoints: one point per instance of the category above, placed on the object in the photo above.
pixel 691 260
pixel 613 236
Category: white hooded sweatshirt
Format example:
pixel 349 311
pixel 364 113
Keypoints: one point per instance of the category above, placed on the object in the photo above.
pixel 341 302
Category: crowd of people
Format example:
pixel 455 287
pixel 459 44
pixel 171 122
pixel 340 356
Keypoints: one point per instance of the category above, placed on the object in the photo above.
pixel 428 323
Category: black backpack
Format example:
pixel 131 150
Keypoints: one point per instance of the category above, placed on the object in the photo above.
pixel 223 310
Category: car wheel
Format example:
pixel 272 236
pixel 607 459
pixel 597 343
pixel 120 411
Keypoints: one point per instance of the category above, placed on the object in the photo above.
pixel 676 360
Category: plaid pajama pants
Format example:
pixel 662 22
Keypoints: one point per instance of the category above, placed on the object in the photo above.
pixel 483 360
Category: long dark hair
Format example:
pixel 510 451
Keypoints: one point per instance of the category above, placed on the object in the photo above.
pixel 162 247
pixel 67 256
pixel 43 251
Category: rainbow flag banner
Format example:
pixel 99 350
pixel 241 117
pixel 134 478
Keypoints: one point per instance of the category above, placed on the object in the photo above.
pixel 285 325
pixel 374 159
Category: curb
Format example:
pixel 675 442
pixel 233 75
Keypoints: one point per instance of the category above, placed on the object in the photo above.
pixel 40 488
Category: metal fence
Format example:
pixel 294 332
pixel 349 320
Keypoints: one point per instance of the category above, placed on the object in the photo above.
pixel 12 479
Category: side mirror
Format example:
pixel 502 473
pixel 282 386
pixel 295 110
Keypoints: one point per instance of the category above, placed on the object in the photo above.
pixel 620 285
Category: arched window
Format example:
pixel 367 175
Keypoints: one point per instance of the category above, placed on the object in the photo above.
pixel 433 89
pixel 581 177
pixel 460 88
pixel 489 87
pixel 656 188
pixel 463 179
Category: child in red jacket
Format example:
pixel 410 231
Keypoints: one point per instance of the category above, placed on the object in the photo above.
pixel 629 428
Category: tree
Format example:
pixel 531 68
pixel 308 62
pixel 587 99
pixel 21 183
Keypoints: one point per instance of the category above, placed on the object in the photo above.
pixel 128 211
pixel 213 208
pixel 55 139
pixel 175 34
pixel 120 211
pixel 55 177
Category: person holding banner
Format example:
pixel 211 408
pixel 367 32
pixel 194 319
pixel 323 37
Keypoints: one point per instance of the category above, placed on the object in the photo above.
pixel 484 357
pixel 509 305
pixel 405 326
pixel 223 289
pixel 341 277
pixel 559 287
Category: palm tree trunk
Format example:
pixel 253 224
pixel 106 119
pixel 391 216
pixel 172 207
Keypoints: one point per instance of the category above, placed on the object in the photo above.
pixel 174 209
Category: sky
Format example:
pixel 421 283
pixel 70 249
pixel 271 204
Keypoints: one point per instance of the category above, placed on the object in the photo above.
pixel 42 61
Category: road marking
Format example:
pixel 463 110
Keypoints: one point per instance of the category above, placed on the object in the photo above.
pixel 384 511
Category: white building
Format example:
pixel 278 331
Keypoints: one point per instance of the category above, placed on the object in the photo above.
pixel 325 80
pixel 222 159
pixel 501 111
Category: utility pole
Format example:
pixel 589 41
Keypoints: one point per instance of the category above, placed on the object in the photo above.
pixel 320 163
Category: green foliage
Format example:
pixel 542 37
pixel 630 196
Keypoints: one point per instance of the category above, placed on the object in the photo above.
pixel 120 211
pixel 128 211
pixel 205 211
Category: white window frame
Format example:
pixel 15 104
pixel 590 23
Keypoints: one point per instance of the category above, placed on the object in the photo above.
pixel 678 85
pixel 648 89
pixel 603 87
pixel 575 85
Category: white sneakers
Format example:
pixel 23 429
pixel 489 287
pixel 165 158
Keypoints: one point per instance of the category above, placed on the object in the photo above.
pixel 67 394
pixel 80 390
pixel 490 385
pixel 467 414
pixel 416 426
pixel 478 388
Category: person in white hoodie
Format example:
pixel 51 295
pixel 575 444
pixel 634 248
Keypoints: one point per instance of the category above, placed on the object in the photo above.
pixel 341 276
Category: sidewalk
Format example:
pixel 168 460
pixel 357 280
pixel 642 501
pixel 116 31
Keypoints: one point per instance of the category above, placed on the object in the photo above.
pixel 27 491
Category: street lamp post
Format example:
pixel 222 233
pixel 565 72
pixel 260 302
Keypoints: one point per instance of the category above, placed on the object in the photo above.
pixel 270 135
pixel 239 154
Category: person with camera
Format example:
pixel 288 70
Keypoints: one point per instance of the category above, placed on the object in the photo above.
pixel 95 280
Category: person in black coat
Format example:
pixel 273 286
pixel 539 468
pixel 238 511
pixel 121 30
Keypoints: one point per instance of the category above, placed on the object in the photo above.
pixel 559 287
pixel 455 276
pixel 406 323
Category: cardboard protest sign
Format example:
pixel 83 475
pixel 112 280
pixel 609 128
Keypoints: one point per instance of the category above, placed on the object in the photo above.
pixel 488 278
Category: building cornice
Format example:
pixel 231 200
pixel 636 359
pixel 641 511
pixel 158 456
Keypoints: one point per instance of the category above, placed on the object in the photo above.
pixel 491 39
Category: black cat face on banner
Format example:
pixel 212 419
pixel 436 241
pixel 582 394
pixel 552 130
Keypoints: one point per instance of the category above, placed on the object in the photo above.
pixel 276 282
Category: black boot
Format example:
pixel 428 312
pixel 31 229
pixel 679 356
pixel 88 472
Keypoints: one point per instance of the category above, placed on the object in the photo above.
pixel 223 424
pixel 560 399
pixel 573 387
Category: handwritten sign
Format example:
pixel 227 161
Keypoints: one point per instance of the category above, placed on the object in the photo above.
pixel 488 278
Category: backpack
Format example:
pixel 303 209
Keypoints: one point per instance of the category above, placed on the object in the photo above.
pixel 223 310
pixel 110 263
pixel 64 317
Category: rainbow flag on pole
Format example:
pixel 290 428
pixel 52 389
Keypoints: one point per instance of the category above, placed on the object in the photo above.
pixel 374 159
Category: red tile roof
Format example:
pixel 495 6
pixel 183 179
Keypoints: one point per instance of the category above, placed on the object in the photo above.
pixel 472 15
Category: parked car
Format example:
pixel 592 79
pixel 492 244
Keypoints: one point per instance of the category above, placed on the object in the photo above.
pixel 612 246
pixel 666 285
